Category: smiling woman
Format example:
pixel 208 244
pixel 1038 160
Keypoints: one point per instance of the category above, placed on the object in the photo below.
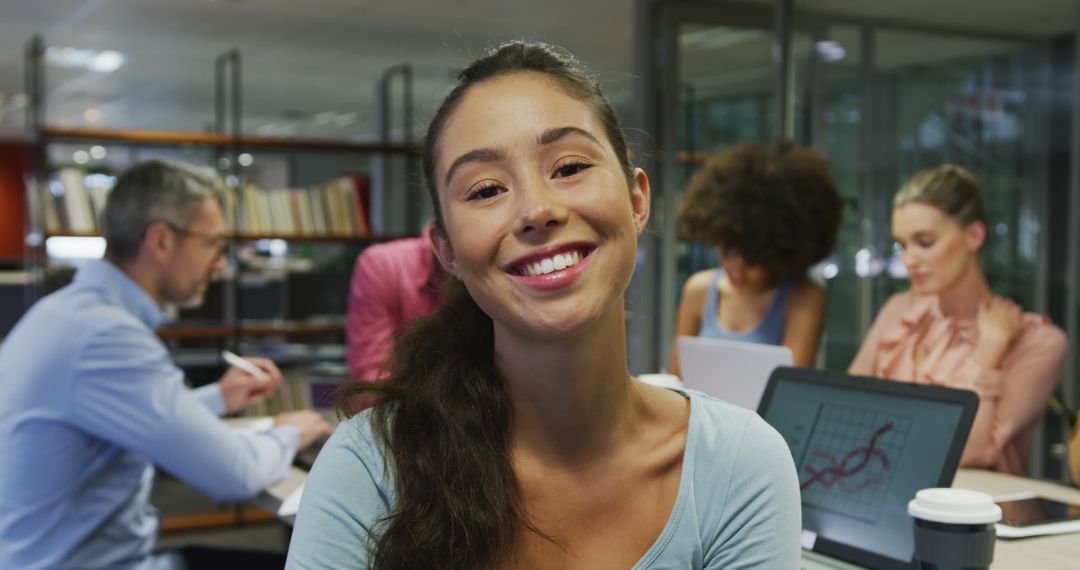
pixel 508 431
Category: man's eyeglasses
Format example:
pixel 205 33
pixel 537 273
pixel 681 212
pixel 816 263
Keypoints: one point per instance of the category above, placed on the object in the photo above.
pixel 220 244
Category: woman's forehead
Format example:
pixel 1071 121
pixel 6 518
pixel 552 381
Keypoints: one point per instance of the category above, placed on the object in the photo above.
pixel 512 110
pixel 917 216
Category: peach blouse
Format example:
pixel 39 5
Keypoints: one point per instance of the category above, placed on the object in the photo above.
pixel 1012 398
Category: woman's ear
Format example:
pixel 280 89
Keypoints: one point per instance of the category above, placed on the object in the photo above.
pixel 640 199
pixel 975 235
pixel 443 252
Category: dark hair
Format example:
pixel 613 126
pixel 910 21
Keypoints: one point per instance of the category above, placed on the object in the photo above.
pixel 949 188
pixel 443 415
pixel 776 207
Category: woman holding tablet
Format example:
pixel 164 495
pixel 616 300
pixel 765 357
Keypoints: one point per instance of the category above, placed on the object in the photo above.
pixel 509 432
pixel 951 329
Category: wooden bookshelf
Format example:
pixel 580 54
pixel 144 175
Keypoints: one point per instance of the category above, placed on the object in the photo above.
pixel 225 331
pixel 239 516
pixel 173 138
pixel 254 237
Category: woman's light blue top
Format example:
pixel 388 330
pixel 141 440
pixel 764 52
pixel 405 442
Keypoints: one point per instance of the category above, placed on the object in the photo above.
pixel 738 502
pixel 769 331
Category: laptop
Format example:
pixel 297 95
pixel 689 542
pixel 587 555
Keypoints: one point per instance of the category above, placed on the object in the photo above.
pixel 731 370
pixel 862 448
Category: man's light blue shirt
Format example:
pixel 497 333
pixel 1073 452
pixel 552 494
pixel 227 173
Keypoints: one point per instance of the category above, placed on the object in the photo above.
pixel 90 401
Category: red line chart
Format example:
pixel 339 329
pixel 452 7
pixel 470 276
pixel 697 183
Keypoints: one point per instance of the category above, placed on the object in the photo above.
pixel 840 473
pixel 849 457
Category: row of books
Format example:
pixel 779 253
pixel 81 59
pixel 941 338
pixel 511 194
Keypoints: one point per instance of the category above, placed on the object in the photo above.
pixel 335 209
pixel 73 199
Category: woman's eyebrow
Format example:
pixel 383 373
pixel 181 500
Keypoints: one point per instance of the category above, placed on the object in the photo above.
pixel 553 135
pixel 548 137
pixel 478 155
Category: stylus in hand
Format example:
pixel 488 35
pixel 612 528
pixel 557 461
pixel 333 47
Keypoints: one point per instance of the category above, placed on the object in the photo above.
pixel 247 366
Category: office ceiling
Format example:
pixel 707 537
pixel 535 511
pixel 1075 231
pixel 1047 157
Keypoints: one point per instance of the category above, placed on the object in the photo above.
pixel 311 68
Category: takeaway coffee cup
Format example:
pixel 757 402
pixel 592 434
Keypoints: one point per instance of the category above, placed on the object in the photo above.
pixel 954 529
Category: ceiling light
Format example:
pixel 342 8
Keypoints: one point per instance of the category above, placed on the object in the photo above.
pixel 98 152
pixel 245 159
pixel 81 157
pixel 719 38
pixel 830 50
pixel 105 61
pixel 68 56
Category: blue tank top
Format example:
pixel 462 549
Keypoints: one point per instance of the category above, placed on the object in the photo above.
pixel 769 331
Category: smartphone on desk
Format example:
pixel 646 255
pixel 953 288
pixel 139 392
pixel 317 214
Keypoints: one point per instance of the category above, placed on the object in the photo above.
pixel 1030 510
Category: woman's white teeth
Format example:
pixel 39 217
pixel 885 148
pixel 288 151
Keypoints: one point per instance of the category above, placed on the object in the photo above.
pixel 557 262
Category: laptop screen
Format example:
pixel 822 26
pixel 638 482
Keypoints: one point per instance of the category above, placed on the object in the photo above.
pixel 862 448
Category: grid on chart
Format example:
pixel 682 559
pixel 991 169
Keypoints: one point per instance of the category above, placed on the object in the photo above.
pixel 849 460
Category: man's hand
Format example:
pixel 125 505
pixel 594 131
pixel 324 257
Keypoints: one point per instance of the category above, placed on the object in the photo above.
pixel 241 389
pixel 311 424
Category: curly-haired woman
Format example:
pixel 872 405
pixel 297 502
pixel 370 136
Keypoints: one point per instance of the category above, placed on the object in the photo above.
pixel 773 212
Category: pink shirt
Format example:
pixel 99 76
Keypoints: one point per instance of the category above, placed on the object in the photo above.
pixel 392 284
pixel 1012 398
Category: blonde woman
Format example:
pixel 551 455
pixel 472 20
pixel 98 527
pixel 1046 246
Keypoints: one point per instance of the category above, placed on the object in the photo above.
pixel 950 329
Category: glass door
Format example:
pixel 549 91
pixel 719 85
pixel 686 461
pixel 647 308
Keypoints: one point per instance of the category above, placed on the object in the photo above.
pixel 719 87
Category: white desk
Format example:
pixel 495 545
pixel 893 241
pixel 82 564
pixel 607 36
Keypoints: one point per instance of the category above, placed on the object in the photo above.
pixel 1056 551
pixel 278 498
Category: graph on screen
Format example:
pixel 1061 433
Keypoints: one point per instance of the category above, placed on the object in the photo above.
pixel 849 459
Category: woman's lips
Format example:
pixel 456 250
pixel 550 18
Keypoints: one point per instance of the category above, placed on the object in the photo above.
pixel 556 278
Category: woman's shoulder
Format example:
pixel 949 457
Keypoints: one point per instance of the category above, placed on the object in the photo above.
pixel 345 496
pixel 701 281
pixel 806 292
pixel 696 290
pixel 358 432
pixel 352 444
pixel 744 477
pixel 1040 332
pixel 722 432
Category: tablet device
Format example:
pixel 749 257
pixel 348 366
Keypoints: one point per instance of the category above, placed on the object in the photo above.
pixel 1035 510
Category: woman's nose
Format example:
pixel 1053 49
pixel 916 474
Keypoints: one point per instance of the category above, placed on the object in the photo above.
pixel 541 210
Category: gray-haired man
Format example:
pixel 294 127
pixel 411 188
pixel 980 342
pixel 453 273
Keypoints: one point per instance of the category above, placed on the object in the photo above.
pixel 90 400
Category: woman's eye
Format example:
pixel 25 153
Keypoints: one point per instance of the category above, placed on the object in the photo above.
pixel 570 169
pixel 484 192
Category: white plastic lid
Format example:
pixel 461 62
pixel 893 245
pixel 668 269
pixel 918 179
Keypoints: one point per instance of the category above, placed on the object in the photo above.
pixel 954 506
pixel 661 380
